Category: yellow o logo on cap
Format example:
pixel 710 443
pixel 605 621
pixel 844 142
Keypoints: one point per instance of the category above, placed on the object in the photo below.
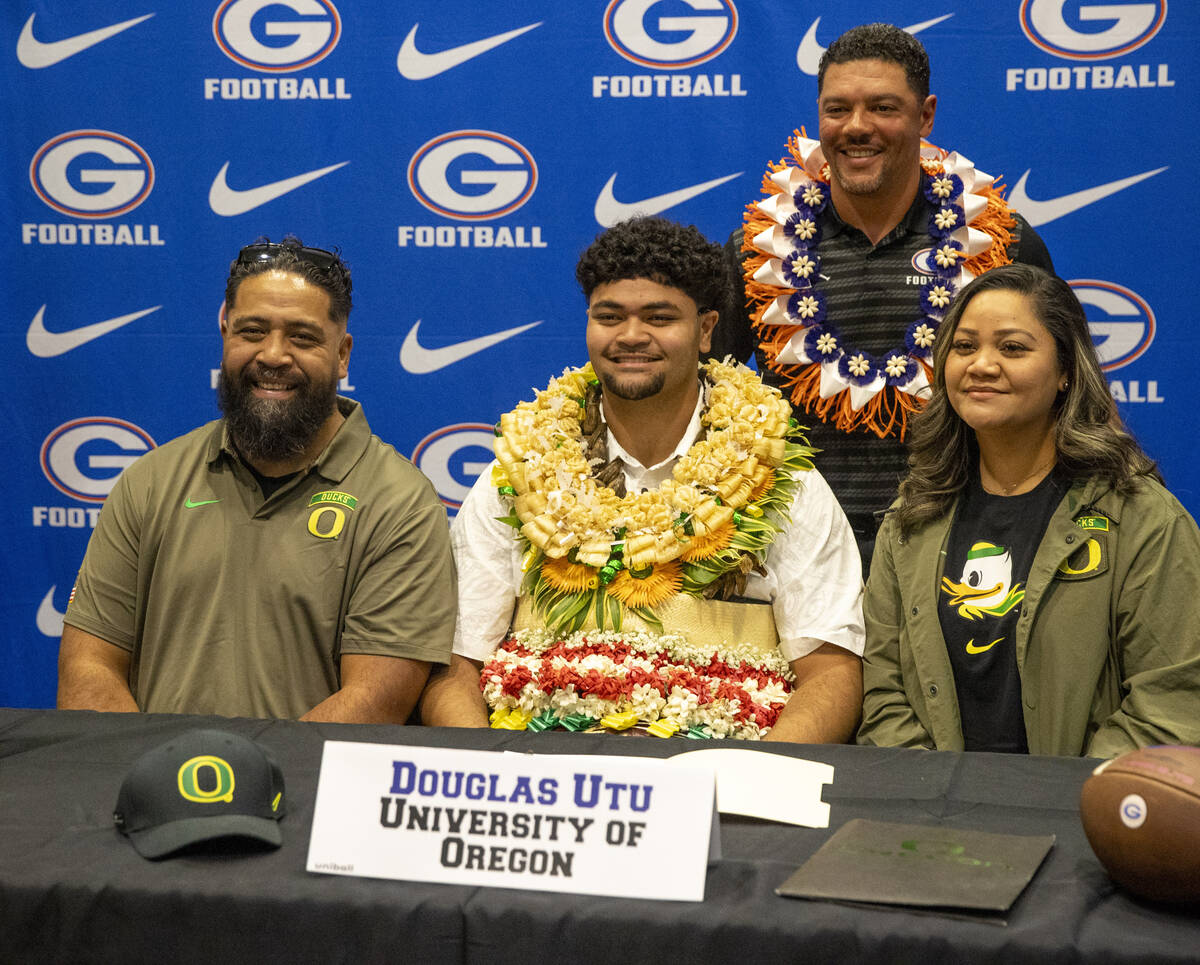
pixel 189 784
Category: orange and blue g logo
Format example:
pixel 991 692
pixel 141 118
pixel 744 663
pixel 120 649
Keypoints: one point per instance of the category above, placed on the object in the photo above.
pixel 206 780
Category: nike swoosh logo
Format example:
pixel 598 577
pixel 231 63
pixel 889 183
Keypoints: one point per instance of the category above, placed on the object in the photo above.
pixel 227 201
pixel 46 345
pixel 808 54
pixel 971 648
pixel 609 210
pixel 1043 212
pixel 189 504
pixel 34 54
pixel 415 65
pixel 49 620
pixel 419 360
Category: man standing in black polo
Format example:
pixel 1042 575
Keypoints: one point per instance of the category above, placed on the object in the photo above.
pixel 842 263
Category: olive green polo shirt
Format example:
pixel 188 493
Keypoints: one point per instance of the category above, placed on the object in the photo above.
pixel 233 604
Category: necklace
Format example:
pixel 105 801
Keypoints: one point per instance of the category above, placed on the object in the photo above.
pixel 1042 467
pixel 591 549
pixel 825 372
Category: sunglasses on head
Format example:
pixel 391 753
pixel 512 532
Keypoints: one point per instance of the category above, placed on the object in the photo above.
pixel 265 251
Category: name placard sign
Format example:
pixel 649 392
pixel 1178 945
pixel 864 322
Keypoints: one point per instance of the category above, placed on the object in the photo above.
pixel 589 825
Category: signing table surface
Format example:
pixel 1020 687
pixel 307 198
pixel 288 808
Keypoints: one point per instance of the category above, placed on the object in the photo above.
pixel 73 890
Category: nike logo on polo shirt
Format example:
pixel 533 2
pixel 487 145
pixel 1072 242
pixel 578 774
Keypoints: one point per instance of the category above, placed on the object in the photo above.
pixel 35 54
pixel 415 65
pixel 609 210
pixel 419 360
pixel 808 54
pixel 1043 212
pixel 227 201
pixel 189 503
pixel 46 345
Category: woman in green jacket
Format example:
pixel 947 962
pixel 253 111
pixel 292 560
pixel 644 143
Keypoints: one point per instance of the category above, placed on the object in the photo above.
pixel 1035 588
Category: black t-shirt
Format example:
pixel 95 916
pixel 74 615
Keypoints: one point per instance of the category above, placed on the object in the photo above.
pixel 992 544
pixel 269 484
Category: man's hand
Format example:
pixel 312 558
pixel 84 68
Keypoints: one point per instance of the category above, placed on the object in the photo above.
pixel 452 697
pixel 93 674
pixel 375 690
pixel 826 704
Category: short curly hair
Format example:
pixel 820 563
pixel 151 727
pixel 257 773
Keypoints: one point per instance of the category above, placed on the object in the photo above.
pixel 663 251
pixel 880 41
pixel 333 278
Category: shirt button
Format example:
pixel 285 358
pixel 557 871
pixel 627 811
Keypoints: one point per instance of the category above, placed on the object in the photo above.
pixel 915 610
pixel 933 690
pixel 902 540
pixel 1070 539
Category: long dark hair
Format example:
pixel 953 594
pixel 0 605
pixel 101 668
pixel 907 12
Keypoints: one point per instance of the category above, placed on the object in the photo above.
pixel 1089 437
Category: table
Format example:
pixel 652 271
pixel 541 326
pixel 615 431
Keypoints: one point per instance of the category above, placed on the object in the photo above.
pixel 73 890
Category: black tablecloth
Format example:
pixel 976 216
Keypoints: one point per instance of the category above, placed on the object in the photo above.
pixel 73 890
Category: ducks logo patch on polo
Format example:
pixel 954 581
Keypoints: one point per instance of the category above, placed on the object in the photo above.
pixel 328 516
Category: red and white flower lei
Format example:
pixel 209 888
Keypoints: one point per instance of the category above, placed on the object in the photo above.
pixel 729 691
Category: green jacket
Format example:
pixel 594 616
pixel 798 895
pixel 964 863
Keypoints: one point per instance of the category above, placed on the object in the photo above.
pixel 1108 642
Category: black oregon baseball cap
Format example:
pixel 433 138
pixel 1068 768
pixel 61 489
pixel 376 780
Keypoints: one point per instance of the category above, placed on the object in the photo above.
pixel 201 785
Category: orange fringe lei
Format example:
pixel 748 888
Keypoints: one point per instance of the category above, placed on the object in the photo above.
pixel 888 411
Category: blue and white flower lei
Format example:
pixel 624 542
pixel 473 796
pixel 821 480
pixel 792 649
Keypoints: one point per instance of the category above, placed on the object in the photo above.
pixel 792 246
pixel 801 269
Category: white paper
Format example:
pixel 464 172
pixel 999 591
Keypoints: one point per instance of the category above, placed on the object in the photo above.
pixel 763 785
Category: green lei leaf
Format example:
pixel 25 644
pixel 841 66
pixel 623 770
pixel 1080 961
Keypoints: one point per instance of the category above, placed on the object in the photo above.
pixel 649 616
pixel 614 611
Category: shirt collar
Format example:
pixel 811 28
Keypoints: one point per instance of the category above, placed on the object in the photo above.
pixel 615 450
pixel 915 220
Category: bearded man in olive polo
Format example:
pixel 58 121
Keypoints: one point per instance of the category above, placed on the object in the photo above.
pixel 279 562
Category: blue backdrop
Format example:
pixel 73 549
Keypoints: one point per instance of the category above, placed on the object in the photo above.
pixel 462 155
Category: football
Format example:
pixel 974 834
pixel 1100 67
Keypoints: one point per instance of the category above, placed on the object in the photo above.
pixel 1141 815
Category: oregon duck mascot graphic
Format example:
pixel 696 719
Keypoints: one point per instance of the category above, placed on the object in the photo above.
pixel 984 589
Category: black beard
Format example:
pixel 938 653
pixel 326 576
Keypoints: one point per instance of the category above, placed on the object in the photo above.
pixel 633 391
pixel 273 430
